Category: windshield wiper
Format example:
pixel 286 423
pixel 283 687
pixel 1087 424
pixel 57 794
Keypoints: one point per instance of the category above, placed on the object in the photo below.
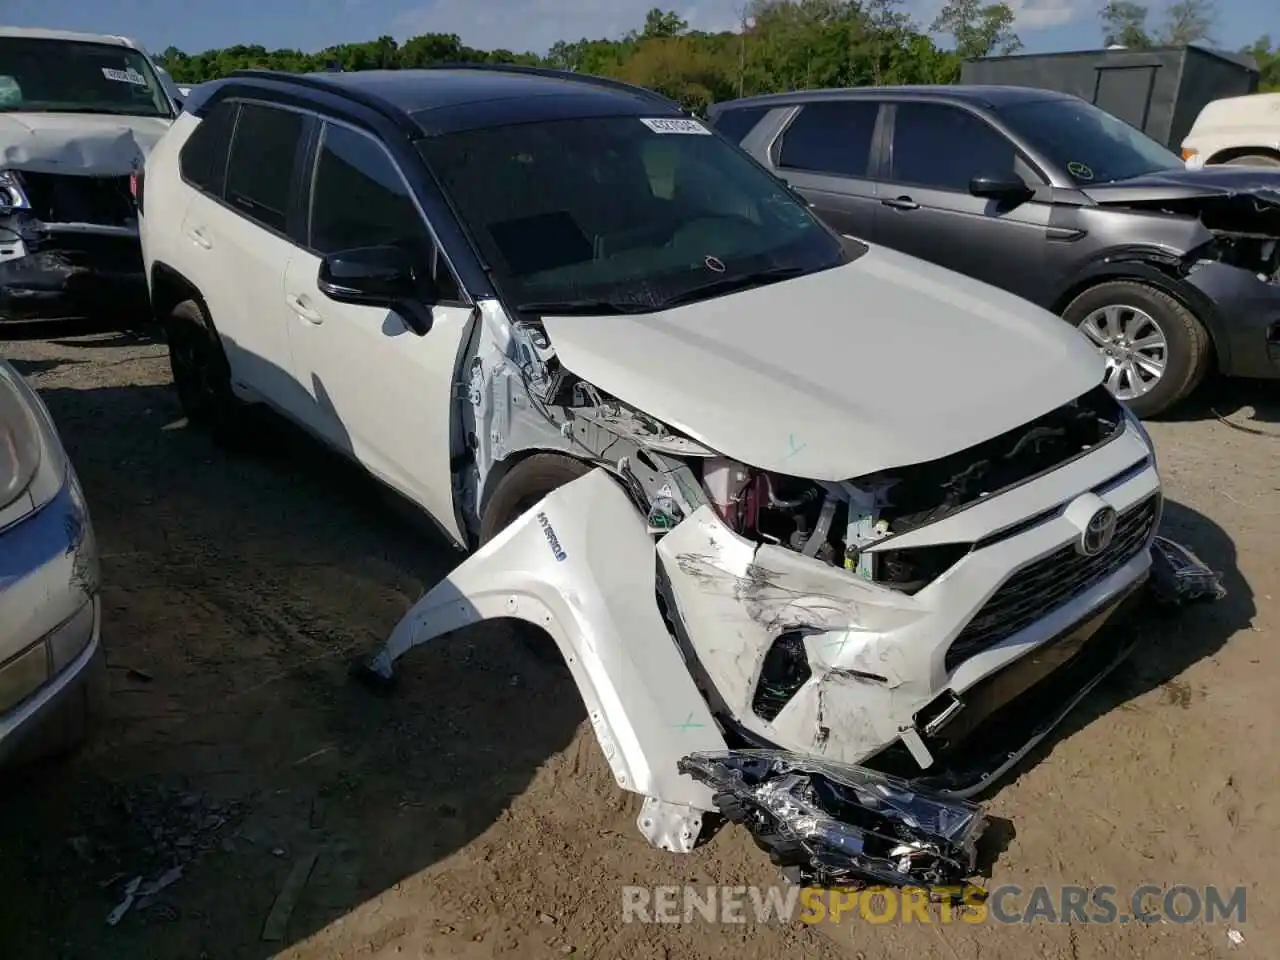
pixel 741 281
pixel 582 308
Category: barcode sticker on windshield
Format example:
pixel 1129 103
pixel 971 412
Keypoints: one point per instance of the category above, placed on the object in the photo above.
pixel 675 125
pixel 125 76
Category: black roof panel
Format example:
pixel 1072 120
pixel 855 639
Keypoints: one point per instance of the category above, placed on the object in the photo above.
pixel 443 100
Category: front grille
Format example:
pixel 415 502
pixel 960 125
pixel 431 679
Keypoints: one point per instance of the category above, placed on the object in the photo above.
pixel 1042 587
pixel 64 198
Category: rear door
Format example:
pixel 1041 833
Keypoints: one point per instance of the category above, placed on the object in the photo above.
pixel 382 392
pixel 925 207
pixel 240 242
pixel 825 153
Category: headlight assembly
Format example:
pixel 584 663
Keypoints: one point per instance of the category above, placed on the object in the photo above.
pixel 20 447
pixel 12 194
pixel 31 456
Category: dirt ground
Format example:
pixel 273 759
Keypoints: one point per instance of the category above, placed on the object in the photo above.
pixel 470 814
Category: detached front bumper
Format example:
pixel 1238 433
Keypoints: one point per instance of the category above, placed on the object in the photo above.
pixel 69 271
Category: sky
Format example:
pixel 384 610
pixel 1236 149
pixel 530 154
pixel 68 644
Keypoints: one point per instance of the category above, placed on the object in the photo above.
pixel 309 25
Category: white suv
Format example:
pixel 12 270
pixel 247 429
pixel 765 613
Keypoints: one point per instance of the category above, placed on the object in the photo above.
pixel 760 483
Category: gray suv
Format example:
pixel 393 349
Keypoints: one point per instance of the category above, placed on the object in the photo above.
pixel 1171 272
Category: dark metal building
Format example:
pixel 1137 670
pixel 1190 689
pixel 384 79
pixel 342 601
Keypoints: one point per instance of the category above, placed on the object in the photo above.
pixel 1160 90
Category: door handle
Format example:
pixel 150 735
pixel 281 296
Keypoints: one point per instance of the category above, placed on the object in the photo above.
pixel 900 203
pixel 298 306
pixel 199 239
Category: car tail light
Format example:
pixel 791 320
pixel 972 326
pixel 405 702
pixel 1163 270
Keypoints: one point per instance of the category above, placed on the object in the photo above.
pixel 135 188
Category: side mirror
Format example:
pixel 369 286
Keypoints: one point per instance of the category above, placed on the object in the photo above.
pixel 377 277
pixel 1000 188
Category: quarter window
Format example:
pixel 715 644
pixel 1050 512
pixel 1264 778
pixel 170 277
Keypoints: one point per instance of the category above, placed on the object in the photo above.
pixel 832 138
pixel 736 124
pixel 203 159
pixel 360 199
pixel 260 171
pixel 944 147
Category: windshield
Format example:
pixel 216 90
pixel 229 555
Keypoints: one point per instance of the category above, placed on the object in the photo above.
pixel 1087 142
pixel 624 212
pixel 39 75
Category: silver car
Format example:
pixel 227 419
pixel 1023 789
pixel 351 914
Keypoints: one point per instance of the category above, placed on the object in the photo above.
pixel 52 668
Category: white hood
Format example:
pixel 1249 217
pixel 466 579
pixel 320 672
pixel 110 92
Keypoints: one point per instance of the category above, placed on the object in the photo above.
pixel 881 363
pixel 77 143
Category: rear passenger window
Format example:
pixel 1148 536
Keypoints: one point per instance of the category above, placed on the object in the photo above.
pixel 260 172
pixel 203 159
pixel 944 147
pixel 736 124
pixel 832 138
pixel 361 200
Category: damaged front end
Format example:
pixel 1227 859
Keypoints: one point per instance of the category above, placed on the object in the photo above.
pixel 866 633
pixel 69 246
pixel 1230 255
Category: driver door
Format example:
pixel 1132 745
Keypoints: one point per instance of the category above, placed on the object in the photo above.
pixel 381 391
pixel 925 207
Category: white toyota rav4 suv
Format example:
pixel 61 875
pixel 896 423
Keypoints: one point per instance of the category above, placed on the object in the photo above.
pixel 763 485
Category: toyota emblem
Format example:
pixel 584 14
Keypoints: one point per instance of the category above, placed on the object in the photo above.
pixel 714 264
pixel 1099 532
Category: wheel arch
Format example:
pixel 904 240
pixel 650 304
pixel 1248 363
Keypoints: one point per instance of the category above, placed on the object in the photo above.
pixel 1160 272
pixel 1235 153
pixel 169 288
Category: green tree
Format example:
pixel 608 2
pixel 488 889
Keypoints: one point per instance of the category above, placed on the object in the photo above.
pixel 978 31
pixel 1268 60
pixel 663 23
pixel 1125 22
pixel 1189 21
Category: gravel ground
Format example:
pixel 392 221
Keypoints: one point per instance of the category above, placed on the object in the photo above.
pixel 471 815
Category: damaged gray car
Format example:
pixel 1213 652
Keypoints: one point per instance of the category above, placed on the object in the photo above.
pixel 78 115
pixel 1169 272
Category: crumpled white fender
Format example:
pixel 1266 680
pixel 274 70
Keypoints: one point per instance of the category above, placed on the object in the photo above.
pixel 581 565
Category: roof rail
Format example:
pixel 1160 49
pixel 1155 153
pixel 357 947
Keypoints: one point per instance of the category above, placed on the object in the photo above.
pixel 555 74
pixel 354 94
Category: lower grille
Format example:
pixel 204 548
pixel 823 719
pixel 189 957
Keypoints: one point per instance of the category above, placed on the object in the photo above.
pixel 65 198
pixel 1042 587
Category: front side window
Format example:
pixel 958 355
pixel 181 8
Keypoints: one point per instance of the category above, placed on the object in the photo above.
pixel 260 169
pixel 360 199
pixel 945 147
pixel 831 137
pixel 623 212
pixel 39 75
pixel 1088 143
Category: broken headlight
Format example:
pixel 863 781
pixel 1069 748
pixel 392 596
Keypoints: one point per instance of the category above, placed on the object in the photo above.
pixel 12 195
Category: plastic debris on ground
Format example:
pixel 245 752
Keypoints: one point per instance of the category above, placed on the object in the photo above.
pixel 1178 576
pixel 838 825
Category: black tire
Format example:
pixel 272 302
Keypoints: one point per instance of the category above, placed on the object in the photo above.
pixel 1189 347
pixel 202 377
pixel 523 486
pixel 1254 160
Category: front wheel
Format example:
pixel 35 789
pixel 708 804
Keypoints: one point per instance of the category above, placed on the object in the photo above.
pixel 1156 350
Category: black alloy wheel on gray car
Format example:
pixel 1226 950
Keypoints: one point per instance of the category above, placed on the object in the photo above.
pixel 520 489
pixel 202 376
pixel 1156 350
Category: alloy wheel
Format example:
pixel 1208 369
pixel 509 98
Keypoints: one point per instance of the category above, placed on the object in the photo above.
pixel 1135 348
